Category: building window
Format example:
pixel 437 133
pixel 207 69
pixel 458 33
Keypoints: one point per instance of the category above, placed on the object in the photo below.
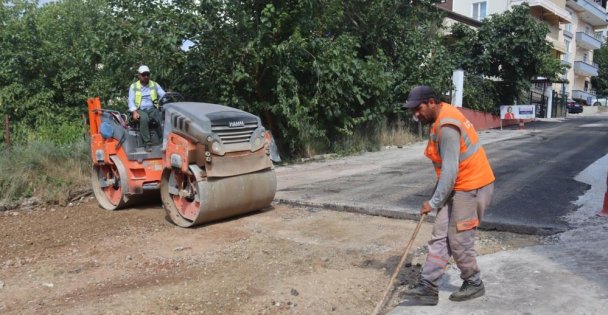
pixel 567 46
pixel 568 28
pixel 479 11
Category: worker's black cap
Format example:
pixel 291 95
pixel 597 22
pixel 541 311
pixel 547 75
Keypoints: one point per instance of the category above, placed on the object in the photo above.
pixel 418 95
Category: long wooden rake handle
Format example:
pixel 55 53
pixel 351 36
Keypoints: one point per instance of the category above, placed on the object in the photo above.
pixel 380 305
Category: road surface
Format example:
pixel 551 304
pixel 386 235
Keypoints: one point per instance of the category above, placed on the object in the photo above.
pixel 534 170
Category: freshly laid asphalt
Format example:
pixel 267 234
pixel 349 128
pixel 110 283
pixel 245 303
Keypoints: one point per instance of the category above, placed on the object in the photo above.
pixel 534 170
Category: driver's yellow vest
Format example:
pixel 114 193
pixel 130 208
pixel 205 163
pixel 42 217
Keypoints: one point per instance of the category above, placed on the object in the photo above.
pixel 136 86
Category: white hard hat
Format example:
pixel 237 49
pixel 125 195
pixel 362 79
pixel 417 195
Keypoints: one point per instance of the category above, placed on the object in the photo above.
pixel 143 69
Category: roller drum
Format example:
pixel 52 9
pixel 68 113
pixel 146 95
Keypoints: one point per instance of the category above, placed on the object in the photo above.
pixel 191 200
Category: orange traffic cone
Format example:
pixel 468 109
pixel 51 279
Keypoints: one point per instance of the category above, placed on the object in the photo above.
pixel 604 212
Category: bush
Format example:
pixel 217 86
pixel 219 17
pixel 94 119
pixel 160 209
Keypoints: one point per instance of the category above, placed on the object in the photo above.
pixel 44 170
pixel 480 94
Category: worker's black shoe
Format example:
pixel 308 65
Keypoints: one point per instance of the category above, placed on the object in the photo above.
pixel 468 291
pixel 422 294
pixel 148 147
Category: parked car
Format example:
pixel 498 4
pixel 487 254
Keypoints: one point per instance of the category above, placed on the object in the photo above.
pixel 574 107
pixel 603 101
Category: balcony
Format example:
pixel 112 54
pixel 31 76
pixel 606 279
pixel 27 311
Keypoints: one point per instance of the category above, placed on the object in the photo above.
pixel 551 11
pixel 584 69
pixel 587 96
pixel 587 41
pixel 589 11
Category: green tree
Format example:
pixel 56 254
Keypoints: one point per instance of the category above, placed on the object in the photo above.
pixel 46 65
pixel 510 47
pixel 600 82
pixel 53 57
pixel 316 70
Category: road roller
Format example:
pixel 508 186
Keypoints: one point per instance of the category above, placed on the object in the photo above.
pixel 208 161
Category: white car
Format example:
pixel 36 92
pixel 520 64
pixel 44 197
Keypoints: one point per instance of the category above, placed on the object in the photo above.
pixel 603 101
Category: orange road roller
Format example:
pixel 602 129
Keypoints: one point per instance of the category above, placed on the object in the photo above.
pixel 208 161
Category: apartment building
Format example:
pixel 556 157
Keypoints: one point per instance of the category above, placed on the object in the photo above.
pixel 575 31
pixel 588 17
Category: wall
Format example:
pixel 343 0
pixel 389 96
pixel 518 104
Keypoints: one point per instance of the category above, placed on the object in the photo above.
pixel 464 7
pixel 485 121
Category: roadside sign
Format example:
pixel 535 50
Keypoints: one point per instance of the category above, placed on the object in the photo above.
pixel 517 112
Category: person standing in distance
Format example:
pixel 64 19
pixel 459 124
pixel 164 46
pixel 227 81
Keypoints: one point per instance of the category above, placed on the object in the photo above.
pixel 143 103
pixel 465 184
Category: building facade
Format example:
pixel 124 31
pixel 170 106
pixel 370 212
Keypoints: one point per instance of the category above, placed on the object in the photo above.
pixel 575 32
pixel 583 36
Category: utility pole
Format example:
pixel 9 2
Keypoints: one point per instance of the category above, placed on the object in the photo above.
pixel 458 82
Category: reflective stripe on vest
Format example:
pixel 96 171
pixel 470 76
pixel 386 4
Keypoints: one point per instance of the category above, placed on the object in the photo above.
pixel 136 86
pixel 471 148
pixel 474 169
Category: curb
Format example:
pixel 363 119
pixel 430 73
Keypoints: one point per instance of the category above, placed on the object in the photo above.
pixel 396 214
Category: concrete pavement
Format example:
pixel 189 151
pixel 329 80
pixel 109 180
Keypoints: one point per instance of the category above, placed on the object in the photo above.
pixel 569 276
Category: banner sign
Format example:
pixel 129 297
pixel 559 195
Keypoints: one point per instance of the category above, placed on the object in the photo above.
pixel 517 111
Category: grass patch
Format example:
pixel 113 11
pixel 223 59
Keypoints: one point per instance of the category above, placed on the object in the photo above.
pixel 398 133
pixel 43 170
pixel 370 137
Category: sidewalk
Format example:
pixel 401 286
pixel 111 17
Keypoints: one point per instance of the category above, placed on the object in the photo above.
pixel 569 276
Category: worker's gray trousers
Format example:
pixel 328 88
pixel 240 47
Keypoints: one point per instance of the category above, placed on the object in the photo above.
pixel 454 235
pixel 145 116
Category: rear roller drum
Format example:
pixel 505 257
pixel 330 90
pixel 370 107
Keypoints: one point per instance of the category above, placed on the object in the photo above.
pixel 109 183
pixel 190 199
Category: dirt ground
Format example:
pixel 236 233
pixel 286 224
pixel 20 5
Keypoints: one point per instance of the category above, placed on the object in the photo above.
pixel 284 260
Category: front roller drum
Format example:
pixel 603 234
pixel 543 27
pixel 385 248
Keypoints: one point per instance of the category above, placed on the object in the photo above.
pixel 190 199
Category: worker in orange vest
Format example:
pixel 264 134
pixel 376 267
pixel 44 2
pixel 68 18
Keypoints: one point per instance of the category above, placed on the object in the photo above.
pixel 465 184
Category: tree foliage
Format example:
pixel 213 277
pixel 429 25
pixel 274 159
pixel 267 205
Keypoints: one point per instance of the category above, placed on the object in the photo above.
pixel 511 48
pixel 313 70
pixel 45 65
pixel 600 82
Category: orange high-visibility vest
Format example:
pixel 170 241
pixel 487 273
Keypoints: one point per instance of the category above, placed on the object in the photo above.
pixel 474 169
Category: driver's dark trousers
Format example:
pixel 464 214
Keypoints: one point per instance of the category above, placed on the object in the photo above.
pixel 145 116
